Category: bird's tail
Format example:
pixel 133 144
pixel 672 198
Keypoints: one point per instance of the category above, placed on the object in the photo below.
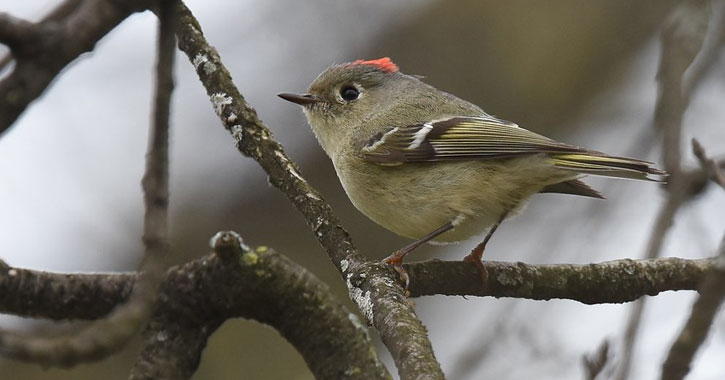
pixel 600 164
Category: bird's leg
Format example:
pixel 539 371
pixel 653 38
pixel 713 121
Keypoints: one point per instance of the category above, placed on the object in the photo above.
pixel 396 259
pixel 476 255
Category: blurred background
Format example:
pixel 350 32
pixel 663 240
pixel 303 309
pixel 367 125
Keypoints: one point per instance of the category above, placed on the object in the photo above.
pixel 579 71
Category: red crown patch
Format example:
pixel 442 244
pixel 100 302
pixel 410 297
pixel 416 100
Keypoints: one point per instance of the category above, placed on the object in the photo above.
pixel 382 64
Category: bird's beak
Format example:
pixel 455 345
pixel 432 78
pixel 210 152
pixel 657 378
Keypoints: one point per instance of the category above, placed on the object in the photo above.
pixel 302 100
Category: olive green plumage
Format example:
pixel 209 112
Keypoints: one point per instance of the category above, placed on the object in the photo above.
pixel 413 158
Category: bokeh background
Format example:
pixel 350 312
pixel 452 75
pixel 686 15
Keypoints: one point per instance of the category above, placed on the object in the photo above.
pixel 579 71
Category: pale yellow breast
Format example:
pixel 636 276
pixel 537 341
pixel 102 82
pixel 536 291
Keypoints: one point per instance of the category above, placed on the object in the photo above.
pixel 414 199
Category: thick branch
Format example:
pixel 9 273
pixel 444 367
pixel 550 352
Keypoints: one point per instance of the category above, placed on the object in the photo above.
pixel 14 31
pixel 197 297
pixel 260 285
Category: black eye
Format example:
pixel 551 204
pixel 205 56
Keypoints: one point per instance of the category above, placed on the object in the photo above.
pixel 349 93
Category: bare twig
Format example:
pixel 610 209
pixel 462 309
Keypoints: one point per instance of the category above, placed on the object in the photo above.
pixel 709 165
pixel 108 335
pixel 682 38
pixel 711 50
pixel 374 288
pixel 595 362
pixel 712 291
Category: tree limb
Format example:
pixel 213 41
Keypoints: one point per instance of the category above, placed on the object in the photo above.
pixel 259 284
pixel 58 40
pixel 682 39
pixel 712 292
pixel 108 335
pixel 375 289
pixel 608 282
pixel 197 297
pixel 91 296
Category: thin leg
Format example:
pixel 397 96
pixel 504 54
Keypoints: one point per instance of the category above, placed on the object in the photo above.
pixel 476 255
pixel 396 259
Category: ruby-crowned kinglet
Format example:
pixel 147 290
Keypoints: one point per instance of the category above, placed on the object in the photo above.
pixel 430 166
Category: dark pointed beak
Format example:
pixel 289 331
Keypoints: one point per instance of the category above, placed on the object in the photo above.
pixel 302 100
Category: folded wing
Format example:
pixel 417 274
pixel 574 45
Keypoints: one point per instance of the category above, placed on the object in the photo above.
pixel 486 138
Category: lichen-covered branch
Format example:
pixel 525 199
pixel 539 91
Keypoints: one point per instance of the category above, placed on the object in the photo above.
pixel 108 335
pixel 90 296
pixel 608 282
pixel 254 139
pixel 262 285
pixel 378 292
pixel 197 297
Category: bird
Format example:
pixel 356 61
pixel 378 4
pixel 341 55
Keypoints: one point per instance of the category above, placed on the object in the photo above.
pixel 432 167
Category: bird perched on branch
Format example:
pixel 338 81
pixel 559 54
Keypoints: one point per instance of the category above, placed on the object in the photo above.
pixel 432 167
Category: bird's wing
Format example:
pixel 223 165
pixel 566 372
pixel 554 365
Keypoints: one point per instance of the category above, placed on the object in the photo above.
pixel 487 137
pixel 458 138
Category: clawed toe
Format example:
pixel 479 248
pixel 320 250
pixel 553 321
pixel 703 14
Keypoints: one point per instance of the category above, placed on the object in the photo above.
pixel 396 260
pixel 479 265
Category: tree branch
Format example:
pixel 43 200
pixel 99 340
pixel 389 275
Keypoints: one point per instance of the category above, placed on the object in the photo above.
pixel 61 296
pixel 14 32
pixel 682 39
pixel 712 292
pixel 712 169
pixel 608 282
pixel 108 335
pixel 197 297
pixel 375 289
pixel 58 40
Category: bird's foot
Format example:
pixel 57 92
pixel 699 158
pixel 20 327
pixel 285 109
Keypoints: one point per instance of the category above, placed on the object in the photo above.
pixel 476 260
pixel 396 260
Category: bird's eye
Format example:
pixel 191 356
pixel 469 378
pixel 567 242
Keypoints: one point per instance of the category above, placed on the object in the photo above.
pixel 349 93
